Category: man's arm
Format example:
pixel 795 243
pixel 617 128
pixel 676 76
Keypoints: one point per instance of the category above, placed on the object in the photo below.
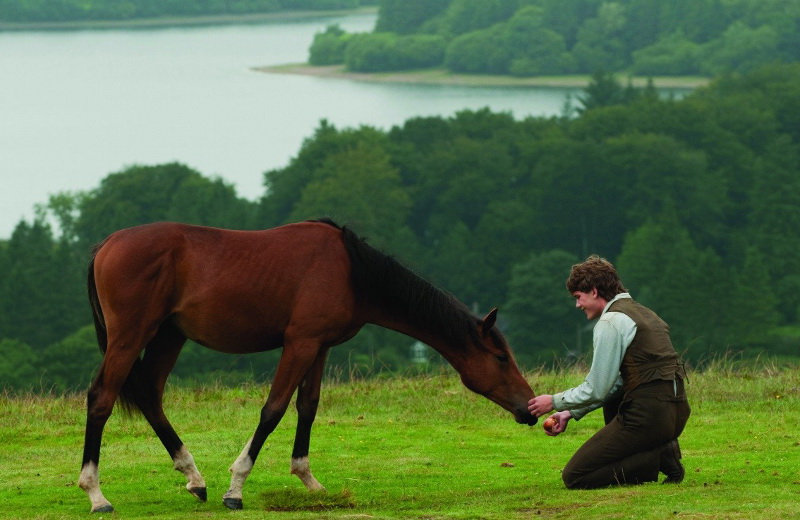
pixel 612 335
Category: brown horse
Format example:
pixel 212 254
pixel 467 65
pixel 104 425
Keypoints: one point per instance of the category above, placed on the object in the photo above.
pixel 304 287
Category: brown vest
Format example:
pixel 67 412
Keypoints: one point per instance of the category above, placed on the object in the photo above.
pixel 650 356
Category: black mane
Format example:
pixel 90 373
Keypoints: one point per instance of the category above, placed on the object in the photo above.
pixel 381 281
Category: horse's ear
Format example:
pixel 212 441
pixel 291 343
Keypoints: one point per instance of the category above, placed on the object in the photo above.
pixel 488 321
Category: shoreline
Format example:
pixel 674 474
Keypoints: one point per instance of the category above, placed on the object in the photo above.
pixel 440 76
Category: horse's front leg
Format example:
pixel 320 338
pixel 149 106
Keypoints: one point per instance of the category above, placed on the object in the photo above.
pixel 297 357
pixel 307 403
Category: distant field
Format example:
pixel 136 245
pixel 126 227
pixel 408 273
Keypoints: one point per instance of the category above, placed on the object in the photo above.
pixel 408 448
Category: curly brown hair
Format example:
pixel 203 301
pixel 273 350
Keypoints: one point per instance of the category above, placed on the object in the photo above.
pixel 595 272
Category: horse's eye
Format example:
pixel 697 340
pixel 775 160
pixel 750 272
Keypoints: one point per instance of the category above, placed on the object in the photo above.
pixel 502 358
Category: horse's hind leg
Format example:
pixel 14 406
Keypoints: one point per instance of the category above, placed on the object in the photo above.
pixel 116 366
pixel 307 402
pixel 159 359
pixel 295 361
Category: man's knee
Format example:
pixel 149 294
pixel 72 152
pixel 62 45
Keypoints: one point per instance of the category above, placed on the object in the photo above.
pixel 571 480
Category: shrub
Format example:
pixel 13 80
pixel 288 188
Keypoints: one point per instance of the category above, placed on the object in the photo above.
pixel 328 47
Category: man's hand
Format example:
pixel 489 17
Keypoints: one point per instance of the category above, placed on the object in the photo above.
pixel 561 418
pixel 540 405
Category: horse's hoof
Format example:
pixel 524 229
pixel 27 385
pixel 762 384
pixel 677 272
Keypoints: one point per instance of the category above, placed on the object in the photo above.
pixel 108 508
pixel 200 493
pixel 233 503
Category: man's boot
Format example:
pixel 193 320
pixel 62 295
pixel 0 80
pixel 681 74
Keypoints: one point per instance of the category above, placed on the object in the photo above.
pixel 671 463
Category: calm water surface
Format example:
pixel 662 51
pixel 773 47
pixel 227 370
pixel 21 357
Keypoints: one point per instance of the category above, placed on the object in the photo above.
pixel 78 105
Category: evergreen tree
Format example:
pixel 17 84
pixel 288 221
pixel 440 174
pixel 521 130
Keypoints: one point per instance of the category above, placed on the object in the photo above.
pixel 540 311
pixel 752 305
pixel 18 366
pixel 603 90
pixel 33 286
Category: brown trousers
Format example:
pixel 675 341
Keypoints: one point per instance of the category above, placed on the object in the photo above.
pixel 627 450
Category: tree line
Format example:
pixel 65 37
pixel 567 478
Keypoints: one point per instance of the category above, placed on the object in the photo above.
pixel 553 37
pixel 80 10
pixel 695 199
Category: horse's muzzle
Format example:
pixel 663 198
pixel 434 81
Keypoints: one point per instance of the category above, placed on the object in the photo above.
pixel 523 416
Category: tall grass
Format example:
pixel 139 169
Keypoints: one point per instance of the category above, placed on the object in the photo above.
pixel 409 447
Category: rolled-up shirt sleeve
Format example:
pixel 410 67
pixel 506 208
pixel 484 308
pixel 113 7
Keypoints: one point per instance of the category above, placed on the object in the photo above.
pixel 613 333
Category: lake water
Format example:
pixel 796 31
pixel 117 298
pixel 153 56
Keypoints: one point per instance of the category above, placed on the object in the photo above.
pixel 78 105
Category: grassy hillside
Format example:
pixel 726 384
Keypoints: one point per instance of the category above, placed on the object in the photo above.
pixel 408 448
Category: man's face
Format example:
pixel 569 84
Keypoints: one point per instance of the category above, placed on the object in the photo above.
pixel 590 302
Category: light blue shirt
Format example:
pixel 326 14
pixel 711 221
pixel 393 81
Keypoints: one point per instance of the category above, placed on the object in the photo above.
pixel 613 332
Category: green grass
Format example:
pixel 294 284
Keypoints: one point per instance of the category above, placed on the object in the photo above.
pixel 408 448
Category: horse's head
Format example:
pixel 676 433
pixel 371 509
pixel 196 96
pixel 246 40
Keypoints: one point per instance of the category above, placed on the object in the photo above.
pixel 489 369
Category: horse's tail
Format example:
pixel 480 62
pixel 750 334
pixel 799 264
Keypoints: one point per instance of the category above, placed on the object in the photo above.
pixel 97 311
pixel 130 394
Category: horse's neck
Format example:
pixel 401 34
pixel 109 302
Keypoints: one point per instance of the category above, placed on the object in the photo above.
pixel 430 337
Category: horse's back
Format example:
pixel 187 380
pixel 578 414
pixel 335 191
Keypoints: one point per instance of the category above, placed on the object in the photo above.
pixel 212 250
pixel 225 288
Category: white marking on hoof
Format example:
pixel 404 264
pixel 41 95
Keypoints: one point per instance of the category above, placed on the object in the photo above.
pixel 240 470
pixel 90 482
pixel 184 462
pixel 301 469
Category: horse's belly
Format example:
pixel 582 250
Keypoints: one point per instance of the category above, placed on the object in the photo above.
pixel 242 347
pixel 230 336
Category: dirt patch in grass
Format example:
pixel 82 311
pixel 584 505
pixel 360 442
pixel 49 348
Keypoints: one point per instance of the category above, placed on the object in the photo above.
pixel 304 501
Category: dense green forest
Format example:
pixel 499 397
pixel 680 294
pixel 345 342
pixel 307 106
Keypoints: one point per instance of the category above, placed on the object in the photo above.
pixel 696 200
pixel 554 37
pixel 91 10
